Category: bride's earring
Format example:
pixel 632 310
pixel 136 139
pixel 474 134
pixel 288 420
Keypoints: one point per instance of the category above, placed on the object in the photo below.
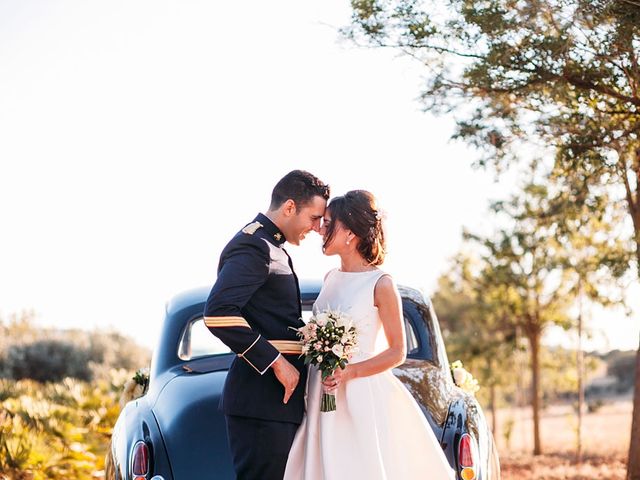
pixel 348 242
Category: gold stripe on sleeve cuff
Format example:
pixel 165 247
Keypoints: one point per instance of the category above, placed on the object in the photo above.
pixel 287 346
pixel 217 322
pixel 243 356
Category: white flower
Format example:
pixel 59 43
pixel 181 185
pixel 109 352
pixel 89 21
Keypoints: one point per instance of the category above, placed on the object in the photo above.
pixel 319 357
pixel 460 376
pixel 463 379
pixel 131 391
pixel 344 321
pixel 338 350
pixel 308 333
pixel 322 319
pixel 456 364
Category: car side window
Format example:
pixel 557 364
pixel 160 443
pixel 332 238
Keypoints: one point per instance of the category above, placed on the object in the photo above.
pixel 198 341
pixel 412 340
pixel 417 317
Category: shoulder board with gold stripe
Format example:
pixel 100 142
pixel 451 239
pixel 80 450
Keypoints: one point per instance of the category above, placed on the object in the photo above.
pixel 251 228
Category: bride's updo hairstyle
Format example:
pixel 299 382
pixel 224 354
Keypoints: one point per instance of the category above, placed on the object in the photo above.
pixel 357 211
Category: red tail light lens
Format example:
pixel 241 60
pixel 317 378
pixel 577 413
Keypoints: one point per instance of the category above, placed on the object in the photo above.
pixel 466 451
pixel 140 460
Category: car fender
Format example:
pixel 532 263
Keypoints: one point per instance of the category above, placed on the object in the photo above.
pixel 465 416
pixel 137 423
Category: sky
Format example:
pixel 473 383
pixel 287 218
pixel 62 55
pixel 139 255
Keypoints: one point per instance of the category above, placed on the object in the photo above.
pixel 136 137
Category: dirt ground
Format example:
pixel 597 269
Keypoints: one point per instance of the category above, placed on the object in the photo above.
pixel 605 443
pixel 562 467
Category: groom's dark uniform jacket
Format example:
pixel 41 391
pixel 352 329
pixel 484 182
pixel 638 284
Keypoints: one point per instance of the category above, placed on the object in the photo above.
pixel 254 308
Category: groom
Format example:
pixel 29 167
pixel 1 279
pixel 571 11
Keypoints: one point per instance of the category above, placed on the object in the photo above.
pixel 253 308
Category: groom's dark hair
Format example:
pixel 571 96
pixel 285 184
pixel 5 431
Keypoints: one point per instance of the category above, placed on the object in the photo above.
pixel 299 186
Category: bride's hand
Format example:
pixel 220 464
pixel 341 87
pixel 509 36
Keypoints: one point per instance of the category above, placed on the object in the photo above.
pixel 339 376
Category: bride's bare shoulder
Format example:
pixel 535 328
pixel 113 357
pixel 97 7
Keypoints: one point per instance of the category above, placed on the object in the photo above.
pixel 386 285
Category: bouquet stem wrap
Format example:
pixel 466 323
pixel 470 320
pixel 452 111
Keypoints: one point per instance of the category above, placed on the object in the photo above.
pixel 328 402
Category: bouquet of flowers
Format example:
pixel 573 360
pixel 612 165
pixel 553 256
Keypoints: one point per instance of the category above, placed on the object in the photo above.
pixel 328 342
pixel 463 379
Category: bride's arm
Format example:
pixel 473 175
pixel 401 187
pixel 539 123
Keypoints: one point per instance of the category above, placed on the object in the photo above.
pixel 387 299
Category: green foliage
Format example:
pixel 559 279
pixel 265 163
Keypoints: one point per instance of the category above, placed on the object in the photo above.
pixel 566 70
pixel 559 373
pixel 529 275
pixel 56 430
pixel 475 331
pixel 53 426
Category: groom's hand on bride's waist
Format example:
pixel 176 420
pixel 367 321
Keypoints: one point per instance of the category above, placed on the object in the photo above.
pixel 287 375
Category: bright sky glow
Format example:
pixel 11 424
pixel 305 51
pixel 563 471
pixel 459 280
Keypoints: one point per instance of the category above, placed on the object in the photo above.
pixel 137 137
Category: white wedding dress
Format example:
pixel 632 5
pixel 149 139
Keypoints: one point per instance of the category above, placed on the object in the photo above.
pixel 378 430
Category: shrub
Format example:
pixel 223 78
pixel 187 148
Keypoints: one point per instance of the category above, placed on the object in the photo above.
pixel 45 354
pixel 46 360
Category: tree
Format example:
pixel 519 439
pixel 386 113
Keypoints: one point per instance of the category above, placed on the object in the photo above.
pixel 621 365
pixel 594 262
pixel 477 328
pixel 523 265
pixel 563 73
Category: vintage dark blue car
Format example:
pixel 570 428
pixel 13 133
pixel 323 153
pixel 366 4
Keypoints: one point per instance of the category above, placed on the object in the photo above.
pixel 176 432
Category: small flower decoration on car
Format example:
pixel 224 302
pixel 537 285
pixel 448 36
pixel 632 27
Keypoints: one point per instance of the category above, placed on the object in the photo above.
pixel 135 387
pixel 463 379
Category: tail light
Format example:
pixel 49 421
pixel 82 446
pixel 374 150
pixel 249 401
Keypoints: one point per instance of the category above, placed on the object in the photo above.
pixel 467 457
pixel 140 461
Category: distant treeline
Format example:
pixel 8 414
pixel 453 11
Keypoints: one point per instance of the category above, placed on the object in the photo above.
pixel 29 351
pixel 621 365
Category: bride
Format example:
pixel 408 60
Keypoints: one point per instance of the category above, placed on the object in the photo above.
pixel 378 430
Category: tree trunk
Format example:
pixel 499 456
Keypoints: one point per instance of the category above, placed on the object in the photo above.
pixel 633 465
pixel 492 406
pixel 580 367
pixel 633 469
pixel 534 342
pixel 492 397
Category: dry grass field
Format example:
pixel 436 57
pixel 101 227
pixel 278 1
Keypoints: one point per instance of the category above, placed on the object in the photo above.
pixel 562 467
pixel 605 441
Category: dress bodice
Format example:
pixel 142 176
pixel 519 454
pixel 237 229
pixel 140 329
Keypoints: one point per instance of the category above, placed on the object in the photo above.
pixel 353 294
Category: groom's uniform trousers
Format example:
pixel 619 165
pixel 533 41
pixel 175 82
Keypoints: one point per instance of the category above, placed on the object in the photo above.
pixel 254 308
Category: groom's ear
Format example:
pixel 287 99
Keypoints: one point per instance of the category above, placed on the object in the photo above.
pixel 289 208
